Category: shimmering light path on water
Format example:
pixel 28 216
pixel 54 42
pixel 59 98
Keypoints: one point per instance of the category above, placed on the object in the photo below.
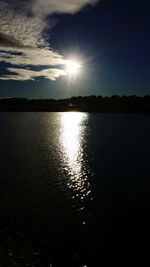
pixel 72 140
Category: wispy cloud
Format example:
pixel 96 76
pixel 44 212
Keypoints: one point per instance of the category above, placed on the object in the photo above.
pixel 23 42
pixel 25 74
pixel 46 7
pixel 25 56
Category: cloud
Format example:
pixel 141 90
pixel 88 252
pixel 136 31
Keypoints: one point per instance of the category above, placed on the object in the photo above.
pixel 46 7
pixel 25 74
pixel 31 56
pixel 23 42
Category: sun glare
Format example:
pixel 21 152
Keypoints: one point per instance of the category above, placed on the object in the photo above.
pixel 73 67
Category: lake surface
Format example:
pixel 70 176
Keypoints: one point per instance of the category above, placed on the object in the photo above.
pixel 77 185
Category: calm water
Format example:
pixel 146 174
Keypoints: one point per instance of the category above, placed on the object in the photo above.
pixel 77 185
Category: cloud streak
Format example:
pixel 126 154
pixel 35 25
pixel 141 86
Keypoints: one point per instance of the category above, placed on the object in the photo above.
pixel 23 41
pixel 47 7
pixel 25 74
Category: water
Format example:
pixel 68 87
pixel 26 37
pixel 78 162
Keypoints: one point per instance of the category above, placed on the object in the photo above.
pixel 77 185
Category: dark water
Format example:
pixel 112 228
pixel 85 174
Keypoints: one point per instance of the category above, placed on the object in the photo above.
pixel 77 185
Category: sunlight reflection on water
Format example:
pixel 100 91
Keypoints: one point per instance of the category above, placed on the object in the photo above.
pixel 72 143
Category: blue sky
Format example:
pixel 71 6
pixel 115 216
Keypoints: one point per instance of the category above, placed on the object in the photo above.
pixel 110 39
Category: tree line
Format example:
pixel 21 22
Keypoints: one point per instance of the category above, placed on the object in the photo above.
pixel 91 103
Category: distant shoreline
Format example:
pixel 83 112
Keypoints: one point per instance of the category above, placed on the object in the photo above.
pixel 113 104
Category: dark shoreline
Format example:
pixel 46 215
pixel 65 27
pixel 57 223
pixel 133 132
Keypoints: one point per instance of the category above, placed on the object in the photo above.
pixel 113 104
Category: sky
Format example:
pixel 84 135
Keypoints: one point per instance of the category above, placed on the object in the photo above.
pixel 108 39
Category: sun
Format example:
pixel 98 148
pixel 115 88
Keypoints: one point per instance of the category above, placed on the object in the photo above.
pixel 73 67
